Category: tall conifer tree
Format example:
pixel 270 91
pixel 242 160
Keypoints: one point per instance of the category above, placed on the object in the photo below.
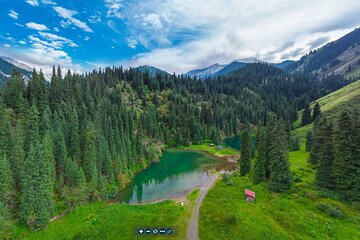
pixel 36 201
pixel 245 152
pixel 280 176
pixel 259 173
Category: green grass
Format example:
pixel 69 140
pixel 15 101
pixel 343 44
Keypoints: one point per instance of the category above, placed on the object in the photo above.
pixel 193 195
pixel 291 215
pixel 115 221
pixel 345 97
pixel 354 73
pixel 205 147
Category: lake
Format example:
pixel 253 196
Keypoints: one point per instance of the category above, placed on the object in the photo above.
pixel 233 142
pixel 178 172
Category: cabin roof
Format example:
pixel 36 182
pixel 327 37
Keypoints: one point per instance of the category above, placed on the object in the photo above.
pixel 249 193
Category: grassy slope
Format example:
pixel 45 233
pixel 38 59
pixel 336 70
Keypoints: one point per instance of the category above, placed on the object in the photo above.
pixel 115 221
pixel 290 215
pixel 205 147
pixel 346 97
pixel 354 73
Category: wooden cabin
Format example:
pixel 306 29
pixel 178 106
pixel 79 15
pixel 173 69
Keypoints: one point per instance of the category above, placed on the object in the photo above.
pixel 249 195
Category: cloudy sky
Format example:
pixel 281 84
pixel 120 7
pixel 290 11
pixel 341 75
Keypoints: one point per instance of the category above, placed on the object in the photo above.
pixel 175 35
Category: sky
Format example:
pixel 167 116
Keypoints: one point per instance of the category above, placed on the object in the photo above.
pixel 174 35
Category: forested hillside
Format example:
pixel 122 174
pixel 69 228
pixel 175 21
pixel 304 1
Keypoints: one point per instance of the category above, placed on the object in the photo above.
pixel 84 136
pixel 340 57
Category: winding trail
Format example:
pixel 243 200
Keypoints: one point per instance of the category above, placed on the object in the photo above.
pixel 192 231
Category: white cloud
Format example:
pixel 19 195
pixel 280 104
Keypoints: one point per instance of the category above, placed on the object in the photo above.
pixel 6 45
pixel 65 24
pixel 51 40
pixel 22 42
pixel 56 29
pixel 86 38
pixel 36 26
pixel 48 2
pixel 131 43
pixel 153 20
pixel 69 16
pixel 34 3
pixel 185 34
pixel 43 57
pixel 13 14
pixel 58 39
pixel 96 18
pixel 113 8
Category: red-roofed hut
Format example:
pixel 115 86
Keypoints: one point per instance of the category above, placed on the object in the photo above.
pixel 249 195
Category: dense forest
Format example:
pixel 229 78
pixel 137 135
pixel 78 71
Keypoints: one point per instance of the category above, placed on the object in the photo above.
pixel 82 137
pixel 336 154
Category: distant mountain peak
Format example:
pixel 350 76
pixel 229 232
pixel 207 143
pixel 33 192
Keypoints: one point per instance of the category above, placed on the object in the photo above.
pixel 8 65
pixel 16 63
pixel 248 60
pixel 205 72
pixel 151 69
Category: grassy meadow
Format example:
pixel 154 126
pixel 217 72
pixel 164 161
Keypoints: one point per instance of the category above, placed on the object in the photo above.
pixel 302 213
pixel 115 221
pixel 205 147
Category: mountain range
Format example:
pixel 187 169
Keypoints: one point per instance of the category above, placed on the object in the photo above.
pixel 340 57
pixel 8 65
pixel 216 69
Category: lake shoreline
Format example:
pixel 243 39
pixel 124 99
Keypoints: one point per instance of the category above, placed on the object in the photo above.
pixel 224 163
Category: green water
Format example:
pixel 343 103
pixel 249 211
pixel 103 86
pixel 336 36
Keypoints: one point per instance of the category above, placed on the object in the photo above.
pixel 233 142
pixel 177 173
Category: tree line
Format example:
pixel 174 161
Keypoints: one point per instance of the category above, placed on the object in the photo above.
pixel 335 152
pixel 271 162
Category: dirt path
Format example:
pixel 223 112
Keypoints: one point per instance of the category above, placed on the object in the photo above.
pixel 192 231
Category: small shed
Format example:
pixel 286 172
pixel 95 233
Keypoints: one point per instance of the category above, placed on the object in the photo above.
pixel 219 147
pixel 249 195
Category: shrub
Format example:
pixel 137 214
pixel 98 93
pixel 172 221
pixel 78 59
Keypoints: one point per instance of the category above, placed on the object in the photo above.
pixel 227 179
pixel 331 210
pixel 231 219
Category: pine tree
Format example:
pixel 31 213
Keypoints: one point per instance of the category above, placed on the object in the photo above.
pixel 316 144
pixel 5 135
pixel 245 152
pixel 32 128
pixel 344 164
pixel 14 94
pixel 6 182
pixel 324 177
pixel 90 155
pixel 309 141
pixel 280 176
pixel 259 173
pixel 74 137
pixel 356 157
pixel 49 158
pixel 36 202
pixel 306 117
pixel 316 111
pixel 6 225
pixel 60 151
